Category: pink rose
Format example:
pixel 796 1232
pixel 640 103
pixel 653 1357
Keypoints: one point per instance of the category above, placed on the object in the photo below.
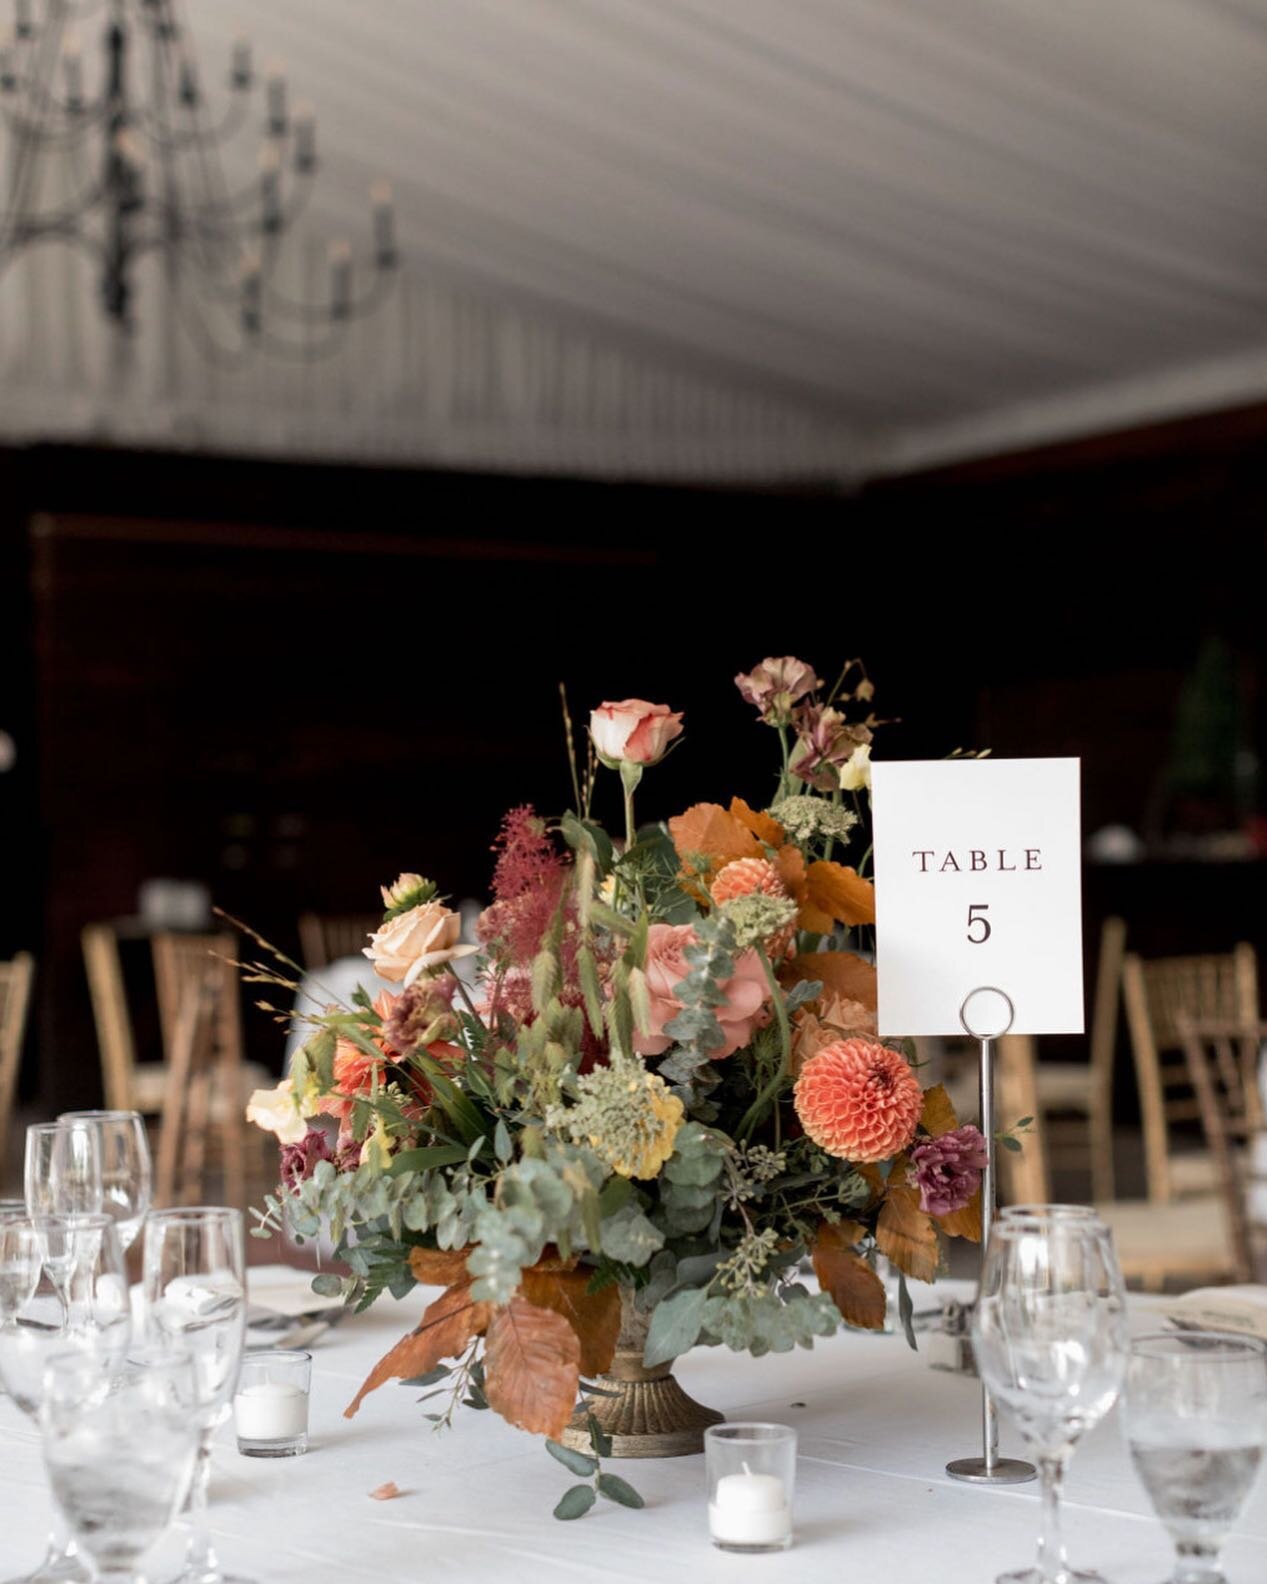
pixel 423 938
pixel 741 1014
pixel 634 731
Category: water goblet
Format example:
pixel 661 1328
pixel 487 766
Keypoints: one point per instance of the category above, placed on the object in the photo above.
pixel 1195 1413
pixel 119 1448
pixel 1049 1330
pixel 62 1178
pixel 195 1298
pixel 127 1171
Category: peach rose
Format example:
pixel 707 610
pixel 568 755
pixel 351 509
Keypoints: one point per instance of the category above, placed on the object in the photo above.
pixel 634 731
pixel 741 1014
pixel 423 938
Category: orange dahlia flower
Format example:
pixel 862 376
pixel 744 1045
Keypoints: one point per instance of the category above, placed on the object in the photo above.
pixel 859 1100
pixel 743 877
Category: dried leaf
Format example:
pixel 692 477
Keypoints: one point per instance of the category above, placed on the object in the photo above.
pixel 447 1326
pixel 595 1317
pixel 855 1288
pixel 438 1267
pixel 938 1115
pixel 763 826
pixel 904 1232
pixel 834 892
pixel 387 1492
pixel 842 974
pixel 707 831
pixel 965 1223
pixel 531 1367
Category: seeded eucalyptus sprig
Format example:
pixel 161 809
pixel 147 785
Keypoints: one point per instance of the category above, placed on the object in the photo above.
pixel 577 1501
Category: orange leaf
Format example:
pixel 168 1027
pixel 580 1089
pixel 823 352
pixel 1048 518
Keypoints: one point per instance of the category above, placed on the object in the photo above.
pixel 388 1492
pixel 938 1115
pixel 706 837
pixel 447 1326
pixel 532 1361
pixel 834 892
pixel 763 826
pixel 965 1223
pixel 904 1232
pixel 855 1288
pixel 842 974
pixel 595 1317
pixel 438 1267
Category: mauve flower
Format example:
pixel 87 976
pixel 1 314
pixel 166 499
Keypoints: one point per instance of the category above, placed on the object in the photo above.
pixel 947 1170
pixel 740 1014
pixel 418 1016
pixel 298 1160
pixel 775 685
pixel 633 731
pixel 859 1100
pixel 824 741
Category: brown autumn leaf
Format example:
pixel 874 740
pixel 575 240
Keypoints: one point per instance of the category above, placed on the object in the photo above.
pixel 707 830
pixel 447 1326
pixel 854 1287
pixel 905 1232
pixel 595 1317
pixel 871 1176
pixel 842 974
pixel 938 1115
pixel 388 1492
pixel 438 1267
pixel 834 892
pixel 763 826
pixel 965 1223
pixel 532 1360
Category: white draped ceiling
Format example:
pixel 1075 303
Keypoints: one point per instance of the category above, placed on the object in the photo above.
pixel 741 237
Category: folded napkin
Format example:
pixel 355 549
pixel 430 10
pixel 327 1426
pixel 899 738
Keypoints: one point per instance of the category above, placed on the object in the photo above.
pixel 282 1290
pixel 1242 1309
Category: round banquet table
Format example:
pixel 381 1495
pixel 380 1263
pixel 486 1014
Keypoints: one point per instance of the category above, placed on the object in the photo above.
pixel 873 1502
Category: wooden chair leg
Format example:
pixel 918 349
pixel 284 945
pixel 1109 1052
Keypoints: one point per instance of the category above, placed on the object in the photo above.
pixel 1103 1175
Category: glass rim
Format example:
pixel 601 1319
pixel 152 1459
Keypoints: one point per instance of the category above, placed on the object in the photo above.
pixel 276 1356
pixel 1248 1346
pixel 1009 1225
pixel 47 1127
pixel 733 1430
pixel 192 1213
pixel 1066 1210
pixel 100 1115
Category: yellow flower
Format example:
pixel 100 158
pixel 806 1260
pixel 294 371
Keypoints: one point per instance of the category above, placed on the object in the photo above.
pixel 628 1116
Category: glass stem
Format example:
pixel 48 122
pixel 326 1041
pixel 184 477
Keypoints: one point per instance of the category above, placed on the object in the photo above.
pixel 1196 1563
pixel 1053 1564
pixel 202 1563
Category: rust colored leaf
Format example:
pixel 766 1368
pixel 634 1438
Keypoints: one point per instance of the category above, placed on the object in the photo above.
pixel 706 831
pixel 387 1492
pixel 532 1364
pixel 938 1115
pixel 904 1232
pixel 855 1288
pixel 438 1267
pixel 595 1317
pixel 834 892
pixel 842 974
pixel 965 1223
pixel 447 1326
pixel 763 826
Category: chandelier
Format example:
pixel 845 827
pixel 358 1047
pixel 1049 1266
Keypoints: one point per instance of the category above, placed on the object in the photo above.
pixel 134 165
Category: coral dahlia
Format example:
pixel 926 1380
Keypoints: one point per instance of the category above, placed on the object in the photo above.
pixel 746 876
pixel 859 1100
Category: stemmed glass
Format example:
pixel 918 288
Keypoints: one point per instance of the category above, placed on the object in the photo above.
pixel 127 1172
pixel 1050 1335
pixel 62 1180
pixel 119 1451
pixel 38 1323
pixel 1196 1421
pixel 195 1297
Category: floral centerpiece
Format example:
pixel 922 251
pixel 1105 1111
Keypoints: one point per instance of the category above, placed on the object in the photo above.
pixel 663 1090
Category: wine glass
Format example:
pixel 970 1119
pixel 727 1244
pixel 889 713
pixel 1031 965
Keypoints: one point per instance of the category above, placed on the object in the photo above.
pixel 1049 1330
pixel 195 1298
pixel 127 1172
pixel 96 1324
pixel 62 1179
pixel 1196 1422
pixel 119 1451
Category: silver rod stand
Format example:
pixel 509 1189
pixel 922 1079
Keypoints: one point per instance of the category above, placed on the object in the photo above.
pixel 989 1468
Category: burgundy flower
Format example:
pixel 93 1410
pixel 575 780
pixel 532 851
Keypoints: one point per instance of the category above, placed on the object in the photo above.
pixel 419 1016
pixel 825 740
pixel 947 1170
pixel 299 1160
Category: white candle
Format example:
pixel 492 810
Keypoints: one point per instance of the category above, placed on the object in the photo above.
pixel 270 1411
pixel 750 1509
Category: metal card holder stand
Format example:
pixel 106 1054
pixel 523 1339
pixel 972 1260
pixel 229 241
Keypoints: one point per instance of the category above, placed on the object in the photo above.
pixel 989 1468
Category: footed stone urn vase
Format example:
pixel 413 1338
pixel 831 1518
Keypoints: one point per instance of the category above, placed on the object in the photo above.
pixel 648 1415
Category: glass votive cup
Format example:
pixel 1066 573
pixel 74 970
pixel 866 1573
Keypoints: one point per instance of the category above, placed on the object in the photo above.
pixel 751 1474
pixel 270 1405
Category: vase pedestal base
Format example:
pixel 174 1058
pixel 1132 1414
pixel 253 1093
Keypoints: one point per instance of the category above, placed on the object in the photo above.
pixel 649 1417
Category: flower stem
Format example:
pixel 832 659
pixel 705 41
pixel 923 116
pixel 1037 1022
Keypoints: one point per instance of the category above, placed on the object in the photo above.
pixel 753 1114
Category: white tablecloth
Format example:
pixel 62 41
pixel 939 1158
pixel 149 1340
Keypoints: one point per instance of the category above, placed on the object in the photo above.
pixel 873 1503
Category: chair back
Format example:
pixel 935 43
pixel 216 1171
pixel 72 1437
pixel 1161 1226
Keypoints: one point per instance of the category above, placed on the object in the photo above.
pixel 1222 1059
pixel 110 1013
pixel 15 1001
pixel 1220 988
pixel 325 937
pixel 1024 1176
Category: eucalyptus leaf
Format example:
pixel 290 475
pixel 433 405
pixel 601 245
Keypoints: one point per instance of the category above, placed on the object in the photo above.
pixel 577 1462
pixel 618 1490
pixel 327 1285
pixel 576 1502
pixel 675 1326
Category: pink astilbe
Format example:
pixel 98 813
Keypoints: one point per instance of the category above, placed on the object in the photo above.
pixel 528 882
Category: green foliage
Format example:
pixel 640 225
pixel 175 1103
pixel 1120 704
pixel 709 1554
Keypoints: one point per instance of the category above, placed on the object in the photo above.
pixel 695 1028
pixel 775 1321
pixel 675 1326
pixel 576 1502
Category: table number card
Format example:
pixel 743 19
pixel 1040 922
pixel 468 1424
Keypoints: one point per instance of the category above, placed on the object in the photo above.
pixel 978 882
